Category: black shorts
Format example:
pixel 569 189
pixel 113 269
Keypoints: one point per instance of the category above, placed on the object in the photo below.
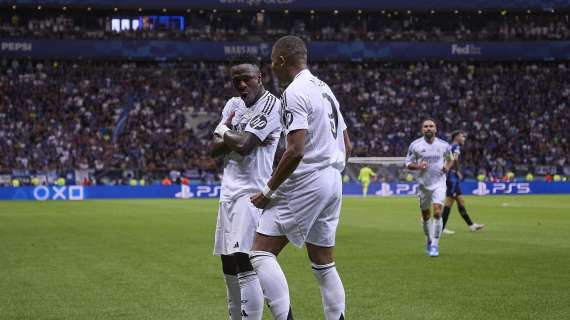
pixel 453 186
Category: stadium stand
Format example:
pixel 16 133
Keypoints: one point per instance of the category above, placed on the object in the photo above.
pixel 116 116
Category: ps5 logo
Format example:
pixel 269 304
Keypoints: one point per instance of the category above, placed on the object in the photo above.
pixel 502 188
pixel 200 192
pixel 404 189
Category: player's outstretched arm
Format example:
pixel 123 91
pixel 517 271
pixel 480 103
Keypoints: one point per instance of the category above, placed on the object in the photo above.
pixel 287 165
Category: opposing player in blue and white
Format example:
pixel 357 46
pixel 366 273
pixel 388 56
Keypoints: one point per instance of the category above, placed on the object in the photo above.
pixel 247 135
pixel 303 197
pixel 454 185
pixel 431 158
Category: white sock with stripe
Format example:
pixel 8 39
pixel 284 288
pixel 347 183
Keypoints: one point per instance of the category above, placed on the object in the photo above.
pixel 332 290
pixel 251 295
pixel 234 296
pixel 437 228
pixel 273 282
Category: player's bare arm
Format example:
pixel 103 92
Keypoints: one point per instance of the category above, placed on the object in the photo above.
pixel 347 144
pixel 279 152
pixel 288 163
pixel 218 148
pixel 418 166
pixel 243 143
pixel 449 163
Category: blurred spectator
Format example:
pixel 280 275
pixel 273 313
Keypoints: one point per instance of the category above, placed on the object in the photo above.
pixel 166 181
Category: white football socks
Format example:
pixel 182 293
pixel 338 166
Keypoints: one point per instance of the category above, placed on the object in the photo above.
pixel 437 228
pixel 234 297
pixel 332 291
pixel 273 283
pixel 251 295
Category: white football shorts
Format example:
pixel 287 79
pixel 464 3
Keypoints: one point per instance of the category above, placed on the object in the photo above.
pixel 235 229
pixel 306 209
pixel 428 197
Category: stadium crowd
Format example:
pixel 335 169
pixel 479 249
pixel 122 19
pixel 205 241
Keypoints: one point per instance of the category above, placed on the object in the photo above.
pixel 257 26
pixel 135 116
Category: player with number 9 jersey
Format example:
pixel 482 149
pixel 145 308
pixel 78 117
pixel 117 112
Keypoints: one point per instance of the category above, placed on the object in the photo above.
pixel 308 103
pixel 313 191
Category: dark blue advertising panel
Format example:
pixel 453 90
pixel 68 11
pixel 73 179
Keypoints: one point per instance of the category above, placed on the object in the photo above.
pixel 322 50
pixel 306 4
pixel 45 193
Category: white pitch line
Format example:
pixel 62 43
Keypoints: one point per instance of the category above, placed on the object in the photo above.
pixel 520 205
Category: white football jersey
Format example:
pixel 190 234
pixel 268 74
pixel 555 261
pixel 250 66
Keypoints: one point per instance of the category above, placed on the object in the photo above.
pixel 435 154
pixel 308 103
pixel 249 174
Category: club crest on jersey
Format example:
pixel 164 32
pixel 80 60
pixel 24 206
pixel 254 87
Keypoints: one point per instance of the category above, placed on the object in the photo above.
pixel 258 122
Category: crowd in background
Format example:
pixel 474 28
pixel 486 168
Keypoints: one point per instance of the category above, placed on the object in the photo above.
pixel 135 116
pixel 319 26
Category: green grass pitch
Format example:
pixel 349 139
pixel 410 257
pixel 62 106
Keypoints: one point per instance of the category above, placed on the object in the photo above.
pixel 147 259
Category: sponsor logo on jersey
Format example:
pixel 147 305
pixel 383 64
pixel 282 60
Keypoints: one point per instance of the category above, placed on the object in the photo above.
pixel 258 122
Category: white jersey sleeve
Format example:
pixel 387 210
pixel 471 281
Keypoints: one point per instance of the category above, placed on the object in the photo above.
pixel 412 156
pixel 297 113
pixel 231 106
pixel 267 121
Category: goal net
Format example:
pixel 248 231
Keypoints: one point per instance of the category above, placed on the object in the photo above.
pixel 387 169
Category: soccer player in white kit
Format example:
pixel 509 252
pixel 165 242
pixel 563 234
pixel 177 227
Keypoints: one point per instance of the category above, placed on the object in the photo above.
pixel 303 197
pixel 247 135
pixel 431 157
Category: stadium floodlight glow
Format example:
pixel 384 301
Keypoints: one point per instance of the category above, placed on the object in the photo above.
pixel 455 11
pixel 409 12
pixel 479 12
pixel 383 11
pixel 312 11
pixel 335 12
pixel 116 9
pixel 359 11
pixel 13 7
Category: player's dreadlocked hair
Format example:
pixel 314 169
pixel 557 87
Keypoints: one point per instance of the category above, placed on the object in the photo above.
pixel 245 59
